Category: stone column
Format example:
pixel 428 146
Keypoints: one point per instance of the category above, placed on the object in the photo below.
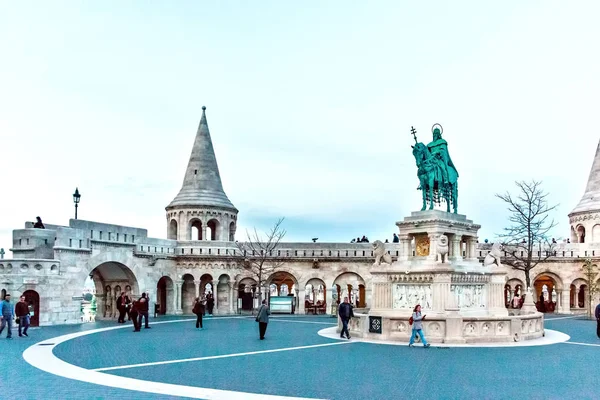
pixel 432 246
pixel 215 285
pixel 456 254
pixel 177 297
pixel 496 302
pixel 197 284
pixel 405 248
pixel 300 294
pixel 576 302
pixel 204 230
pixel 231 291
pixel 328 300
pixel 440 291
pixel 472 249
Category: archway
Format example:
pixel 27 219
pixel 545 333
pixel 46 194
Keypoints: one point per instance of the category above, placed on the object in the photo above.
pixel 188 293
pixel 214 226
pixel 545 287
pixel 196 229
pixel 580 234
pixel 172 233
pixel 596 233
pixel 582 299
pixel 222 294
pixel 232 231
pixel 32 298
pixel 350 286
pixel 286 285
pixel 164 295
pixel 246 292
pixel 108 279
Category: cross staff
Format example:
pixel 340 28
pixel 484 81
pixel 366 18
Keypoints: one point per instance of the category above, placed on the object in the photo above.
pixel 413 131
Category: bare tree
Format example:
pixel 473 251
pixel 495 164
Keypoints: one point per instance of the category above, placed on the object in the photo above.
pixel 259 255
pixel 526 240
pixel 590 271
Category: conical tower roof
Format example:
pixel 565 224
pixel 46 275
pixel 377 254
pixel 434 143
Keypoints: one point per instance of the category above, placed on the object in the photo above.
pixel 202 183
pixel 591 198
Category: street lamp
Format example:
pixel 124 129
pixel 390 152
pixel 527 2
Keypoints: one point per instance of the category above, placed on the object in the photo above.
pixel 76 198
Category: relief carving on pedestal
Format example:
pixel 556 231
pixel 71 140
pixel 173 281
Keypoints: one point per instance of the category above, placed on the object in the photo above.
pixel 469 296
pixel 422 246
pixel 407 296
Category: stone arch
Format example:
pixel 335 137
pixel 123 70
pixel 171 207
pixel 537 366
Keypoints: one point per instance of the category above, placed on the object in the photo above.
pixel 315 291
pixel 165 295
pixel 596 233
pixel 545 287
pixel 106 275
pixel 349 284
pixel 215 229
pixel 285 282
pixel 580 231
pixel 188 293
pixel 32 298
pixel 172 231
pixel 232 231
pixel 195 229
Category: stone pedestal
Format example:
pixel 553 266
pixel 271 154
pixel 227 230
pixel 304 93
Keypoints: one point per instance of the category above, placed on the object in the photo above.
pixel 463 300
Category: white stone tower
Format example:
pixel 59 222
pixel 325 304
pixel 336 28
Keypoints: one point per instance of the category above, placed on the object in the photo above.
pixel 201 210
pixel 585 218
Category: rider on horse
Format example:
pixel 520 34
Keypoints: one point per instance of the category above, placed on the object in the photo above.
pixel 439 149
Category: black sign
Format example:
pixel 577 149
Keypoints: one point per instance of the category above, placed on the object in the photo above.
pixel 375 324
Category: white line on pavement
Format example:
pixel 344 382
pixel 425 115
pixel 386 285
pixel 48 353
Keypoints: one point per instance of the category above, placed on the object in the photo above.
pixel 554 319
pixel 300 322
pixel 583 344
pixel 249 353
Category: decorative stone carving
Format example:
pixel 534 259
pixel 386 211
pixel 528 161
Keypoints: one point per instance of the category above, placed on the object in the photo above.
pixel 442 247
pixel 422 246
pixel 494 256
pixel 380 253
pixel 469 296
pixel 407 296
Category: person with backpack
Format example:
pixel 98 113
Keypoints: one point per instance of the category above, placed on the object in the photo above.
pixel 417 324
pixel 198 310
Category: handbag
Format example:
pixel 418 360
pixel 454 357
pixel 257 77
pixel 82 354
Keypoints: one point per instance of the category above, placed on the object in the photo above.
pixel 411 320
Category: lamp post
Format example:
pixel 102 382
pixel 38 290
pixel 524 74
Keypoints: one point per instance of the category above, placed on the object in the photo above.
pixel 76 198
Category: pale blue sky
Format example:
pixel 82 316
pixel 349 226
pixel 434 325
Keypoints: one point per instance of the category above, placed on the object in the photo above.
pixel 309 106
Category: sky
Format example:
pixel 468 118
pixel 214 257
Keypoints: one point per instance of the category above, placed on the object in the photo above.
pixel 309 106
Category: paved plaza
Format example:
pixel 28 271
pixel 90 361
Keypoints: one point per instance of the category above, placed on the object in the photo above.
pixel 227 361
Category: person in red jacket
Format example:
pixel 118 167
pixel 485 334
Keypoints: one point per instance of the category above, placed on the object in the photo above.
pixel 22 313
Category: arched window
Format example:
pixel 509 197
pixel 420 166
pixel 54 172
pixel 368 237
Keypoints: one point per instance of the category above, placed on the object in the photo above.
pixel 196 229
pixel 172 230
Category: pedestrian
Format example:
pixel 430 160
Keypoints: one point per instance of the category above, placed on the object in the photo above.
pixel 597 313
pixel 39 224
pixel 7 313
pixel 345 312
pixel 396 239
pixel 417 327
pixel 134 314
pixel 22 313
pixel 122 307
pixel 198 310
pixel 210 303
pixel 143 311
pixel 263 319
pixel 516 301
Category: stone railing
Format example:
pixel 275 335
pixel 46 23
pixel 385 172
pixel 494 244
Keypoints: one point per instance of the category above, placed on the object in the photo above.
pixel 30 267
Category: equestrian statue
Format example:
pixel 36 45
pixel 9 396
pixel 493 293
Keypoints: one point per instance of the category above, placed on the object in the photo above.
pixel 437 174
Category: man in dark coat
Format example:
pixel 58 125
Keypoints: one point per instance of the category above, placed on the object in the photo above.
pixel 142 308
pixel 39 224
pixel 133 313
pixel 263 319
pixel 345 312
pixel 597 314
pixel 122 303
pixel 22 313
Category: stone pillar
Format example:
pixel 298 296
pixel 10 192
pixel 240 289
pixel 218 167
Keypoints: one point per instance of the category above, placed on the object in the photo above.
pixel 576 302
pixel 405 248
pixel 197 284
pixel 496 301
pixel 230 297
pixel 177 297
pixel 432 246
pixel 565 301
pixel 300 294
pixel 472 249
pixel 215 285
pixel 204 230
pixel 382 293
pixel 455 251
pixel 329 300
pixel 182 231
pixel 440 291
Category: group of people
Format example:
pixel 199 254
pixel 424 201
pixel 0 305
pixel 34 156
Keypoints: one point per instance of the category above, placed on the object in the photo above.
pixel 136 311
pixel 364 239
pixel 8 311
